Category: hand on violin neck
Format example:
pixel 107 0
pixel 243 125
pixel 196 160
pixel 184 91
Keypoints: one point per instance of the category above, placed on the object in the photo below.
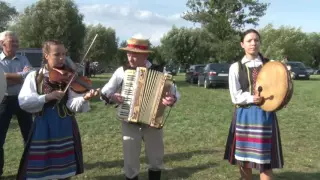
pixel 92 93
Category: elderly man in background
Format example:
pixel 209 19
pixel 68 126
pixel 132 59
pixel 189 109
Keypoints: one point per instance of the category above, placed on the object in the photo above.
pixel 15 69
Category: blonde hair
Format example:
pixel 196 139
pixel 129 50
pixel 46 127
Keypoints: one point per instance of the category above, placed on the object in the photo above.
pixel 46 48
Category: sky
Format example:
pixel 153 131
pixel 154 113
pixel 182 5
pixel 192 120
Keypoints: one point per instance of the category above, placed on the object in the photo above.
pixel 153 19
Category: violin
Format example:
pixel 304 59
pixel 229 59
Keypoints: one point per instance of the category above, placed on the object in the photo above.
pixel 79 84
pixel 68 75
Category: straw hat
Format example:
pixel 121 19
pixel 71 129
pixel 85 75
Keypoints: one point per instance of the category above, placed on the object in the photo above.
pixel 137 44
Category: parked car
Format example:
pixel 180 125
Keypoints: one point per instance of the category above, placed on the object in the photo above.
pixel 298 70
pixel 181 70
pixel 310 70
pixel 171 70
pixel 317 71
pixel 34 56
pixel 193 72
pixel 214 74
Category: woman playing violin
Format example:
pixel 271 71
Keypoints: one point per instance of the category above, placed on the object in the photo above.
pixel 53 150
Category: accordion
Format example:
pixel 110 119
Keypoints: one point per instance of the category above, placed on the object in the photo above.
pixel 142 92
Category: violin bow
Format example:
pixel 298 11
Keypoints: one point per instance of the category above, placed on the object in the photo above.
pixel 74 75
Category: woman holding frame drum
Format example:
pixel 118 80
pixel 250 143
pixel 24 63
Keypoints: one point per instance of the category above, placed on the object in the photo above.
pixel 254 136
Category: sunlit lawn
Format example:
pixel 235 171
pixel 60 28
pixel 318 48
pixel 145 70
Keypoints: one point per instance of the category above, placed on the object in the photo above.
pixel 195 136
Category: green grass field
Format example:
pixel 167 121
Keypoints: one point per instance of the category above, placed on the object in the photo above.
pixel 195 136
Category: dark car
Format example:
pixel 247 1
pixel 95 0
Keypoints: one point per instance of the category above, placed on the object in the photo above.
pixel 299 70
pixel 214 74
pixel 171 70
pixel 193 72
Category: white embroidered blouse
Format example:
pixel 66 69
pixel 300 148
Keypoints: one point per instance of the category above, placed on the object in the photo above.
pixel 237 95
pixel 115 81
pixel 32 102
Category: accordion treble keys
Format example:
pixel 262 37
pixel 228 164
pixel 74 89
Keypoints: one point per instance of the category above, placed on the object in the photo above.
pixel 143 90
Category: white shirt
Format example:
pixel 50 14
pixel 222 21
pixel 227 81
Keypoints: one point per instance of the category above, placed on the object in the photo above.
pixel 32 102
pixel 115 82
pixel 237 95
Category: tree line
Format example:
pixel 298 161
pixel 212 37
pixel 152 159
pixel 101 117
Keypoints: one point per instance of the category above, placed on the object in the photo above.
pixel 216 40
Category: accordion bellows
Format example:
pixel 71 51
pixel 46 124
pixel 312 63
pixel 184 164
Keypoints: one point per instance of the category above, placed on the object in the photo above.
pixel 143 90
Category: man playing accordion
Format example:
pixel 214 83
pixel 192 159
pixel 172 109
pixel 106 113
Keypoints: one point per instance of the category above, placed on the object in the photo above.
pixel 132 134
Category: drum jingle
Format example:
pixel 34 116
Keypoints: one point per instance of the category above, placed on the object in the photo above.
pixel 274 83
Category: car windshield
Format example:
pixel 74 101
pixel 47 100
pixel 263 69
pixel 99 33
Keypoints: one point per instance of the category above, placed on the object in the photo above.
pixel 199 68
pixel 297 65
pixel 220 67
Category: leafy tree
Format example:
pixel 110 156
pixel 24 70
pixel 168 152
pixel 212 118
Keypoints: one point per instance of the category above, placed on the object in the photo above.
pixel 314 48
pixel 121 56
pixel 225 16
pixel 285 42
pixel 52 19
pixel 157 56
pixel 224 20
pixel 7 13
pixel 105 46
pixel 184 46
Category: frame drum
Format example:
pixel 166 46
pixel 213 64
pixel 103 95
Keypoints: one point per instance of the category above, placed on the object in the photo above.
pixel 274 83
pixel 3 82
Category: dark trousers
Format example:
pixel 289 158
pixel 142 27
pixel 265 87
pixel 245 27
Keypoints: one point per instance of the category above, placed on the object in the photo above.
pixel 8 107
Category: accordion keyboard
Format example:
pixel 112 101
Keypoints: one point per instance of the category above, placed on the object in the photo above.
pixel 142 92
pixel 127 94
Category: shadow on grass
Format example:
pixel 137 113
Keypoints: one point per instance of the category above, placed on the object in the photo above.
pixel 167 158
pixel 176 173
pixel 297 176
pixel 292 176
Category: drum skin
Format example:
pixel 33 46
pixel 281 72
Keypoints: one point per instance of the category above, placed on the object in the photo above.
pixel 275 84
pixel 3 82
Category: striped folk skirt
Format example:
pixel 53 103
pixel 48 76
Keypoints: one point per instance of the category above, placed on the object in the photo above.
pixel 53 150
pixel 254 140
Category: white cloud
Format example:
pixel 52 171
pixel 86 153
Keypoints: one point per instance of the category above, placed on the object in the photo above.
pixel 128 21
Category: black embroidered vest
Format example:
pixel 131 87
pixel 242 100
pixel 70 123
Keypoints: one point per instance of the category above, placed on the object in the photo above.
pixel 245 76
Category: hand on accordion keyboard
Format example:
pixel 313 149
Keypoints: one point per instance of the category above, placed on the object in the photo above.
pixel 169 99
pixel 117 98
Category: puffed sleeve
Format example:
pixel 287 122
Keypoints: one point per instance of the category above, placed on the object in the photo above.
pixel 77 103
pixel 112 85
pixel 29 99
